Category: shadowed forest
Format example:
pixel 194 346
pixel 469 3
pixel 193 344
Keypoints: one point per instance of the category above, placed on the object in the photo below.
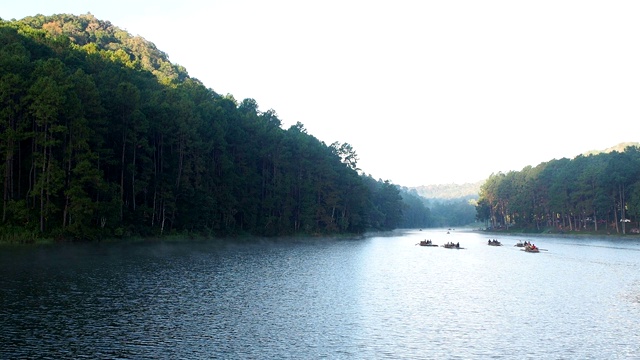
pixel 102 136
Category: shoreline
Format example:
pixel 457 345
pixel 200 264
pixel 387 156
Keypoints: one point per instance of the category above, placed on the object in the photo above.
pixel 564 234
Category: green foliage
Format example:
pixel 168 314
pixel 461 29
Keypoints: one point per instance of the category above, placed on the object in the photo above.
pixel 415 213
pixel 588 193
pixel 387 208
pixel 102 136
pixel 452 212
pixel 449 205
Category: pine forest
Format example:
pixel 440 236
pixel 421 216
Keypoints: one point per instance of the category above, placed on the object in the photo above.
pixel 102 136
pixel 590 193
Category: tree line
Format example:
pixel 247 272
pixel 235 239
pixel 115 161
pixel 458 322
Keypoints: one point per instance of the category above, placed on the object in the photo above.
pixel 598 192
pixel 101 136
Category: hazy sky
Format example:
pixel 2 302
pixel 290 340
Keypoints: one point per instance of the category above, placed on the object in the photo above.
pixel 426 92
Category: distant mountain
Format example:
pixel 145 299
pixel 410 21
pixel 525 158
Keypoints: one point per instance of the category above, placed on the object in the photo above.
pixel 450 191
pixel 471 190
pixel 619 148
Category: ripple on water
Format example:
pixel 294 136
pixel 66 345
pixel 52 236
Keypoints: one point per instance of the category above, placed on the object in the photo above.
pixel 379 297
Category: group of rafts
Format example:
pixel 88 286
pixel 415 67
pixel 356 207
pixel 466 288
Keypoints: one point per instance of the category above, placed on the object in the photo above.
pixel 527 246
pixel 449 245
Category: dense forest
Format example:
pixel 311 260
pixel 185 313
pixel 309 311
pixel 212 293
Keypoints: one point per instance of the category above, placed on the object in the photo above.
pixel 102 136
pixel 450 205
pixel 598 192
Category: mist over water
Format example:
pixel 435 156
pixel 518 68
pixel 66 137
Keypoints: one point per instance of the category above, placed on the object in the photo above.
pixel 377 297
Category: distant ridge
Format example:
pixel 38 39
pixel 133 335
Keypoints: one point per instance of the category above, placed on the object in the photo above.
pixel 619 148
pixel 471 190
pixel 450 191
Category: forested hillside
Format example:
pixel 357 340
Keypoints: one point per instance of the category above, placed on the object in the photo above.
pixel 101 136
pixel 619 148
pixel 450 205
pixel 450 191
pixel 598 193
pixel 447 205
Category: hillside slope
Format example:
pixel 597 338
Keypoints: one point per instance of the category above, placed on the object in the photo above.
pixel 101 136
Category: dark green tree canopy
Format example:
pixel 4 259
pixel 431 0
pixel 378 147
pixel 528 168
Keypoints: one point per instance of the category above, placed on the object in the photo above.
pixel 101 136
pixel 596 192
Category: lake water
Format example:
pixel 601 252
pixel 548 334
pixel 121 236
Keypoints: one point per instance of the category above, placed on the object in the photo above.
pixel 378 297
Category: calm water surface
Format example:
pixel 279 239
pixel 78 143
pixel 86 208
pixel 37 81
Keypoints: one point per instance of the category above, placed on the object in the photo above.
pixel 381 297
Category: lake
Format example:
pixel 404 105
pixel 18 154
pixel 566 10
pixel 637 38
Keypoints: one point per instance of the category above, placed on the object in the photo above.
pixel 377 297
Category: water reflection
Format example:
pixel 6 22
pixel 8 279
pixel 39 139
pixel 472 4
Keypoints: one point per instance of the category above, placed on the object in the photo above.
pixel 378 297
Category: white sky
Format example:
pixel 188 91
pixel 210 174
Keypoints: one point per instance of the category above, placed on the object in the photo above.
pixel 427 92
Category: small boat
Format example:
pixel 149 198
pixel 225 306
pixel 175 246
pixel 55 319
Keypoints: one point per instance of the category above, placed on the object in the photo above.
pixel 531 249
pixel 451 245
pixel 494 242
pixel 426 243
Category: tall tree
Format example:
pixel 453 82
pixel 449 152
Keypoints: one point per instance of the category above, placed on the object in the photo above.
pixel 128 110
pixel 46 101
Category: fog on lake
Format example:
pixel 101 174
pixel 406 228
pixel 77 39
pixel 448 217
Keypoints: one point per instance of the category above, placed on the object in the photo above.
pixel 380 296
